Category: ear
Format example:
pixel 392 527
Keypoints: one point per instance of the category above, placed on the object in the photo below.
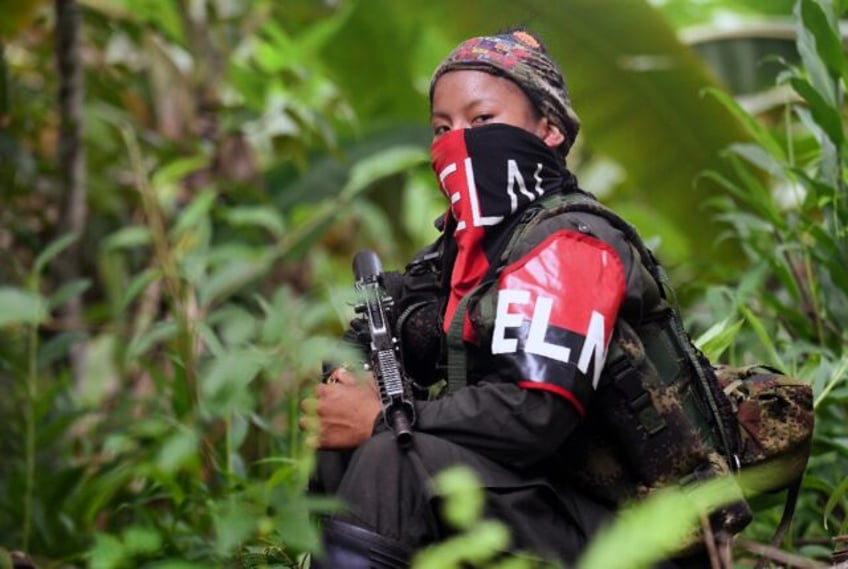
pixel 552 136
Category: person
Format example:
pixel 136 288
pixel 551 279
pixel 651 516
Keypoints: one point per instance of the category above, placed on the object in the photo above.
pixel 535 313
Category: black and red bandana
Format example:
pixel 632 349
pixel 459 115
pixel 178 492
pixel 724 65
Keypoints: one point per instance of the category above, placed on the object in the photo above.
pixel 488 173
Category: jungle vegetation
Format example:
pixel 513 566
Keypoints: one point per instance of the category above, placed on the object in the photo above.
pixel 183 184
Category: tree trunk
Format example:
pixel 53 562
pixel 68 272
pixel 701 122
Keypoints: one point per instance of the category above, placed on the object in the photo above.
pixel 4 88
pixel 71 161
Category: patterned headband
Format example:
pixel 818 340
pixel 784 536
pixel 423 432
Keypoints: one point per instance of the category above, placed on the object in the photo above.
pixel 520 57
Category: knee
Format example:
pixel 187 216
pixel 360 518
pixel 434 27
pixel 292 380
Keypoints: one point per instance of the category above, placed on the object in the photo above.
pixel 373 467
pixel 381 459
pixel 379 447
pixel 383 449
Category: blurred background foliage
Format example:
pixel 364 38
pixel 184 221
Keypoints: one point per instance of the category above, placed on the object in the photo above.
pixel 184 182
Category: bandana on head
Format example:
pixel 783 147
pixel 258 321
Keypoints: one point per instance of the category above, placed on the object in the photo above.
pixel 520 57
pixel 488 173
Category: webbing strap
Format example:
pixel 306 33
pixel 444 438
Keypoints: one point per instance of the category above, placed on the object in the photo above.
pixel 456 355
pixel 785 519
pixel 457 359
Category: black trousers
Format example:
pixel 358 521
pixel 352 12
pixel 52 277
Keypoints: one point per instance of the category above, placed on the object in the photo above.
pixel 388 490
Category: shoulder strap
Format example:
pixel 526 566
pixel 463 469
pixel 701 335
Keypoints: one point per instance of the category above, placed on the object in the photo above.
pixel 457 367
pixel 535 212
pixel 785 519
pixel 457 361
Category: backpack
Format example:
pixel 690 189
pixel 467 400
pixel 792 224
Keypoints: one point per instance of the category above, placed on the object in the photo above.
pixel 661 416
pixel 774 414
pixel 775 418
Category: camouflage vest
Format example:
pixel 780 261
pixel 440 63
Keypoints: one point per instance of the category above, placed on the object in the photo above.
pixel 660 416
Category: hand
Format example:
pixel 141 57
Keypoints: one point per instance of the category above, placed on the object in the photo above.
pixel 345 409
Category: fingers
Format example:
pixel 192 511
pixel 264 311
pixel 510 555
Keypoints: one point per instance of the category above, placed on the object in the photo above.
pixel 341 412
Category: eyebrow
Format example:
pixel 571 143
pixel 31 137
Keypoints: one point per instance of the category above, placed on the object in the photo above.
pixel 470 104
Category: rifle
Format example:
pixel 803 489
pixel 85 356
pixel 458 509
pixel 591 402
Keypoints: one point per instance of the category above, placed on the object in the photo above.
pixel 383 354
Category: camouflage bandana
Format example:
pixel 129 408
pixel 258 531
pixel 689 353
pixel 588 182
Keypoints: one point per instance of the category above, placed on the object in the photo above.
pixel 522 58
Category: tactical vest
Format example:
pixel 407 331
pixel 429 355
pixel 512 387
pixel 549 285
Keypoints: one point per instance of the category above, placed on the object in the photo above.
pixel 659 417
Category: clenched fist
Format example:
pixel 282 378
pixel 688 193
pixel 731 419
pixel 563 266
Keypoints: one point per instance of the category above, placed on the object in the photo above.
pixel 342 411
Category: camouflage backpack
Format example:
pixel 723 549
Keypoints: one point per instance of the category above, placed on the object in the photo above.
pixel 662 416
pixel 774 415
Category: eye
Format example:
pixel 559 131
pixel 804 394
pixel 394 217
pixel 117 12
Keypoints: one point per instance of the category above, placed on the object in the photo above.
pixel 481 119
pixel 440 129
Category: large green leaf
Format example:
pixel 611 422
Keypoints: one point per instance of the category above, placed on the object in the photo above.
pixel 636 87
pixel 21 307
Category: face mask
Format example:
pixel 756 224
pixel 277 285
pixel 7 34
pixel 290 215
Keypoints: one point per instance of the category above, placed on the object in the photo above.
pixel 488 173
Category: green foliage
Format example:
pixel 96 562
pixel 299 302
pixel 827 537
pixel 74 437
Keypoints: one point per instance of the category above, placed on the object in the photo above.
pixel 641 535
pixel 655 528
pixel 18 13
pixel 692 14
pixel 231 174
pixel 176 443
pixel 788 206
pixel 792 226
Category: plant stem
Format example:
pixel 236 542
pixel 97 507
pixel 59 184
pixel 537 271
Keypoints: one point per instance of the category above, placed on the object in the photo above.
pixel 294 449
pixel 228 444
pixel 29 413
pixel 179 294
pixel 813 295
pixel 70 156
pixel 5 107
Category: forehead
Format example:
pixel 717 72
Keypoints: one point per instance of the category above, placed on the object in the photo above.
pixel 466 86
